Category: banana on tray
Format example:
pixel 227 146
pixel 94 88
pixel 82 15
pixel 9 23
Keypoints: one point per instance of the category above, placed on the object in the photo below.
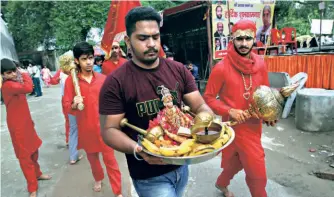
pixel 188 146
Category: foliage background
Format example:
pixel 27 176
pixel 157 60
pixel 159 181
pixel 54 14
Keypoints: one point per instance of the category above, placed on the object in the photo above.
pixel 61 24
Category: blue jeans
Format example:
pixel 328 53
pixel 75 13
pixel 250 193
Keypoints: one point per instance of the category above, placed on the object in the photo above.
pixel 37 84
pixel 171 184
pixel 73 138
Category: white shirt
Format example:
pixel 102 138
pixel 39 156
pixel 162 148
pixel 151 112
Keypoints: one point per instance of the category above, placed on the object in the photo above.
pixel 36 71
pixel 29 69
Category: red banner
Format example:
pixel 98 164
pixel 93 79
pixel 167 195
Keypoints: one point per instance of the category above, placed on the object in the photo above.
pixel 220 54
pixel 115 26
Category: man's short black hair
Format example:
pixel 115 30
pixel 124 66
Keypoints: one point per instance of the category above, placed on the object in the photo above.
pixel 7 65
pixel 140 14
pixel 31 62
pixel 82 48
pixel 97 59
pixel 188 62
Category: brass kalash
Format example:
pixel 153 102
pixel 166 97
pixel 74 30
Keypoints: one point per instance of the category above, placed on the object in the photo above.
pixel 268 102
pixel 68 66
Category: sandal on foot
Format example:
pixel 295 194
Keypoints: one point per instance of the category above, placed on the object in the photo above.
pixel 76 161
pixel 97 189
pixel 44 177
pixel 225 191
pixel 33 194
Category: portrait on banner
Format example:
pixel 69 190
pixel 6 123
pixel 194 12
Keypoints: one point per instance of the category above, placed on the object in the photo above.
pixel 226 13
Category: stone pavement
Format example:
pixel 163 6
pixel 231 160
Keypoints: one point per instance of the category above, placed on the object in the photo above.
pixel 77 180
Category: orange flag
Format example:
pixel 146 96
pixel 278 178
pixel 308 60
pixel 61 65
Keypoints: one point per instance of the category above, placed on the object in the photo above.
pixel 115 26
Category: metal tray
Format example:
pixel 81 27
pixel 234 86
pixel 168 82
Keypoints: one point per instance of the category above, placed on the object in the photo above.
pixel 193 159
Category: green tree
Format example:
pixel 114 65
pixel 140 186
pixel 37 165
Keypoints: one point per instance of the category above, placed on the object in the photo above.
pixel 298 14
pixel 72 21
pixel 59 23
pixel 29 23
pixel 161 5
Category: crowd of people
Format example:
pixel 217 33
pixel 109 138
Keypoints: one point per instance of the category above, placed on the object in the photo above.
pixel 113 89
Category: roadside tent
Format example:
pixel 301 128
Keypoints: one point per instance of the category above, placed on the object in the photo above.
pixel 7 49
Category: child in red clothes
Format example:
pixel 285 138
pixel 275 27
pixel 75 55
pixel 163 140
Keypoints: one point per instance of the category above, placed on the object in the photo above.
pixel 88 121
pixel 25 140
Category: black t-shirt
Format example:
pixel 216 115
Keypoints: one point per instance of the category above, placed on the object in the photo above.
pixel 135 91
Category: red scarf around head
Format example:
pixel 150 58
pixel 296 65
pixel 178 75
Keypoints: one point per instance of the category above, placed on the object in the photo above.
pixel 243 64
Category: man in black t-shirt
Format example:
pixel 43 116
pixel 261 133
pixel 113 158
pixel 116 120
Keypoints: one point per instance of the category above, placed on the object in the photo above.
pixel 133 91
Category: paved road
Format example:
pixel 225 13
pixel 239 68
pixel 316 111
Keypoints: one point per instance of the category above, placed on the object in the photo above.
pixel 76 181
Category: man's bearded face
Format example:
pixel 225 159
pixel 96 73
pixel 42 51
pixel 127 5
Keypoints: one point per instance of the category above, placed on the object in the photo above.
pixel 219 12
pixel 266 18
pixel 243 44
pixel 115 49
pixel 220 28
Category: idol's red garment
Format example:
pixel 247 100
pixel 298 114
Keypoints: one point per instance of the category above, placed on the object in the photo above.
pixel 88 122
pixel 21 128
pixel 109 66
pixel 246 151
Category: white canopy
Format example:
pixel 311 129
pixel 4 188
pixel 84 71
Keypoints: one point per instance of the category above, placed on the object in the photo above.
pixel 326 26
pixel 7 49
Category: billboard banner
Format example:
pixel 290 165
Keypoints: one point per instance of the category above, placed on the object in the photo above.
pixel 260 12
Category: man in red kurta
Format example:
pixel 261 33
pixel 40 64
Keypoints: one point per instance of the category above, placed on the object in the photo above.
pixel 88 121
pixel 234 79
pixel 20 124
pixel 115 60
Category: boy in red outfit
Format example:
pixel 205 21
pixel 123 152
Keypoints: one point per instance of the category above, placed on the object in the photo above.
pixel 234 79
pixel 25 140
pixel 88 119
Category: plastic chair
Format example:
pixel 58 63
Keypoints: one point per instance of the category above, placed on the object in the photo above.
pixel 288 37
pixel 259 51
pixel 281 79
pixel 276 36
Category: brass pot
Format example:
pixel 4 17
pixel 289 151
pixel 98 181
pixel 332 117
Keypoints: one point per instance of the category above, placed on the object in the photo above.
pixel 206 133
pixel 269 102
pixel 203 118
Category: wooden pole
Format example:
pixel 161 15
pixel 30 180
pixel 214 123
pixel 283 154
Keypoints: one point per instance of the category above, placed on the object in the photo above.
pixel 208 27
pixel 228 14
pixel 267 43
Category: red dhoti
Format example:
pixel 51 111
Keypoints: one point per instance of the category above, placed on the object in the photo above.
pixel 112 169
pixel 245 153
pixel 31 171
